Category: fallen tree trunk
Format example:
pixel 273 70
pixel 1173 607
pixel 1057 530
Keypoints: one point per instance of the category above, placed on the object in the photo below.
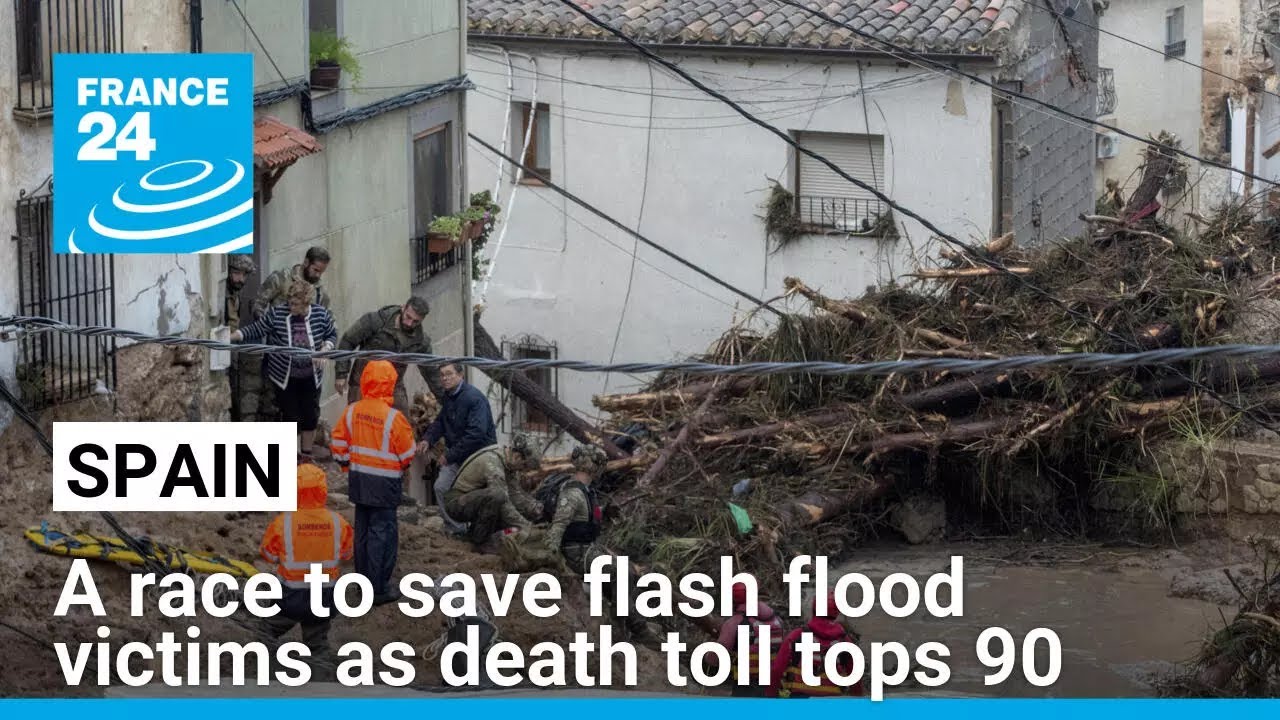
pixel 843 308
pixel 961 273
pixel 681 440
pixel 957 395
pixel 520 385
pixel 676 396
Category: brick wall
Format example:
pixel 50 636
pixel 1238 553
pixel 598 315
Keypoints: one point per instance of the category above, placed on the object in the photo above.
pixel 1050 159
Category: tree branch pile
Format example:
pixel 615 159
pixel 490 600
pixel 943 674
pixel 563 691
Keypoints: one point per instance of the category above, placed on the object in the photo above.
pixel 813 458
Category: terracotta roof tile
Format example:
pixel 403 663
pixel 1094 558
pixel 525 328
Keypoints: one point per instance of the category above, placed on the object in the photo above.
pixel 276 144
pixel 960 26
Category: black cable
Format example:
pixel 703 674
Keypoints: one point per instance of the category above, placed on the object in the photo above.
pixel 899 51
pixel 601 214
pixel 1131 41
pixel 261 44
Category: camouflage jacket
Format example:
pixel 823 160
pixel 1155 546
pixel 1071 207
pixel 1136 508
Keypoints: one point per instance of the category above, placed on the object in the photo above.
pixel 571 507
pixel 275 290
pixel 487 468
pixel 231 310
pixel 380 330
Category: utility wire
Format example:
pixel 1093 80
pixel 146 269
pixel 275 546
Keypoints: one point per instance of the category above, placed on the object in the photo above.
pixel 1076 361
pixel 265 51
pixel 1131 41
pixel 601 214
pixel 900 52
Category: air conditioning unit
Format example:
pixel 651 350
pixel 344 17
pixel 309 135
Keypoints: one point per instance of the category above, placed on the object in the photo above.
pixel 1108 145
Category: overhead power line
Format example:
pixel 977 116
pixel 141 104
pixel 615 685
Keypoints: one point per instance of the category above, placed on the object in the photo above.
pixel 602 215
pixel 902 52
pixel 1087 361
pixel 1131 41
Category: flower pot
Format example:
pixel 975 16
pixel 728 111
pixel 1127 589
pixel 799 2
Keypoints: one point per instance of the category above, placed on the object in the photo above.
pixel 472 230
pixel 439 243
pixel 325 75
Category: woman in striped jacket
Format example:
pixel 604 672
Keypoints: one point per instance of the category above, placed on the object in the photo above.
pixel 298 323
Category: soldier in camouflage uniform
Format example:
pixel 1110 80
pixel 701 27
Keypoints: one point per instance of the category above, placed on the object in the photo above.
pixel 396 328
pixel 239 268
pixel 258 400
pixel 571 541
pixel 486 494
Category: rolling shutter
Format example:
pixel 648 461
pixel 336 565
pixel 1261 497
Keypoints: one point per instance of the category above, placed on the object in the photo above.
pixel 861 156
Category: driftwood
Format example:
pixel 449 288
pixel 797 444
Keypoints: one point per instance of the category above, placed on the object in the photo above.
pixel 676 396
pixel 994 247
pixel 963 273
pixel 843 308
pixel 520 385
pixel 674 446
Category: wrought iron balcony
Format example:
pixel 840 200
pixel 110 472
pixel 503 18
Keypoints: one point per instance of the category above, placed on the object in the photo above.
pixel 44 28
pixel 843 214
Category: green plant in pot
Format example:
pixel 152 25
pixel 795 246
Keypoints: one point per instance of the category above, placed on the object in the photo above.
pixel 443 233
pixel 331 56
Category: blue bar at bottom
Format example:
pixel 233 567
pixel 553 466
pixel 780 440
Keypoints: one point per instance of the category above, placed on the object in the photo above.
pixel 645 708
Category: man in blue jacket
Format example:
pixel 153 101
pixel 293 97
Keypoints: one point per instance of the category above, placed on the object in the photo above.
pixel 466 424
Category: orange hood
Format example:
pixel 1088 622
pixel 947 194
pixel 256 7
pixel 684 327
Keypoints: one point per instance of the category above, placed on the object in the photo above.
pixel 379 381
pixel 313 489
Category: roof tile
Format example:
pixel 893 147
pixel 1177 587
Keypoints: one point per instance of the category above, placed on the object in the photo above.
pixel 941 25
pixel 276 144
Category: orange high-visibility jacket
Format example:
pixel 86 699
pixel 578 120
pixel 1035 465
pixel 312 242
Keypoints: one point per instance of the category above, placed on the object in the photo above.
pixel 373 441
pixel 311 534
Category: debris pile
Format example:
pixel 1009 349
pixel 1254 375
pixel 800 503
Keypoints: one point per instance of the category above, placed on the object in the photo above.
pixel 758 466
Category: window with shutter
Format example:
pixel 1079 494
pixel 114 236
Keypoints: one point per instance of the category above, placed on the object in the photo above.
pixel 826 200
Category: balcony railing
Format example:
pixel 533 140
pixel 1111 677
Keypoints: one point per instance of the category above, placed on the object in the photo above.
pixel 427 264
pixel 844 214
pixel 44 28
pixel 1106 91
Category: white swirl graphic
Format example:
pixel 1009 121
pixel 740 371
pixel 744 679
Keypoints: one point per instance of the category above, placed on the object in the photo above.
pixel 216 220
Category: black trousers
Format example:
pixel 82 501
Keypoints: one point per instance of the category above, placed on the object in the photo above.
pixel 299 401
pixel 377 545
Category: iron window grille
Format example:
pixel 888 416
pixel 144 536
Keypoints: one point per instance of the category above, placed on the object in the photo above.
pixel 44 28
pixel 519 416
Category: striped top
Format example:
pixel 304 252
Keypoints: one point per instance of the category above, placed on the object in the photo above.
pixel 273 329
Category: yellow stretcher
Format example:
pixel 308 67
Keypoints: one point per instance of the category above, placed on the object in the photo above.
pixel 93 547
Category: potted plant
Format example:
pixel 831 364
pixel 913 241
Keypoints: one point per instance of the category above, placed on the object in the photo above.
pixel 443 233
pixel 330 57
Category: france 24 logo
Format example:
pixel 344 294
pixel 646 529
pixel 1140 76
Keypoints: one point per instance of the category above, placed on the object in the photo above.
pixel 153 153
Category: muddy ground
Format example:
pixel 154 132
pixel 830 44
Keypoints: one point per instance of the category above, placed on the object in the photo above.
pixel 1125 614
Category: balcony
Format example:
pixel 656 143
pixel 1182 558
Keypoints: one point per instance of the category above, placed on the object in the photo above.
pixel 856 216
pixel 44 28
pixel 1106 91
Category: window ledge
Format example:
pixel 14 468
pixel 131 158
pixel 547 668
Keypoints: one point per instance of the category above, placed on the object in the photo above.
pixel 533 181
pixel 33 116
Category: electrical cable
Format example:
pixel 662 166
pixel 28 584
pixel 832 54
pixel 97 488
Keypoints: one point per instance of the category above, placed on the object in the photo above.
pixel 635 246
pixel 265 51
pixel 1076 361
pixel 899 51
pixel 593 231
pixel 601 214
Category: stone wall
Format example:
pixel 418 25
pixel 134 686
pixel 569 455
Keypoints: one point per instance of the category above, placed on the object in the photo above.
pixel 1230 478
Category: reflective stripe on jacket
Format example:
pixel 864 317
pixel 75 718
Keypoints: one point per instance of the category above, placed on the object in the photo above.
pixel 311 534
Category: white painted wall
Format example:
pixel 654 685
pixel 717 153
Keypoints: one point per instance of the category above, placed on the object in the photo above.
pixel 1153 93
pixel 700 191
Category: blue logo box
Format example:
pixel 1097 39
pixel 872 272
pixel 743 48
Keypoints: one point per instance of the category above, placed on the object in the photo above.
pixel 153 153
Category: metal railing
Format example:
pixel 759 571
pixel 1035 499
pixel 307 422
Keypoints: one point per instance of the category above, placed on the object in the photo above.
pixel 56 368
pixel 427 264
pixel 844 214
pixel 1106 91
pixel 44 28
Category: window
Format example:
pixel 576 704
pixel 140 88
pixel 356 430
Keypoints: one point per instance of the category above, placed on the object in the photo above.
pixel 323 15
pixel 75 289
pixel 430 177
pixel 826 200
pixel 523 417
pixel 538 154
pixel 44 28
pixel 1175 42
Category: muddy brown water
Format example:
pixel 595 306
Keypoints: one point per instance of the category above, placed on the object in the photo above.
pixel 1118 625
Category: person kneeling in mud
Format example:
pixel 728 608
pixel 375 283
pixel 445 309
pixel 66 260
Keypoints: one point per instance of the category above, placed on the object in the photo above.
pixel 571 541
pixel 486 494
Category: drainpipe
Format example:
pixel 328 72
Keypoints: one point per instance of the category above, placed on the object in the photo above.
pixel 468 312
pixel 195 14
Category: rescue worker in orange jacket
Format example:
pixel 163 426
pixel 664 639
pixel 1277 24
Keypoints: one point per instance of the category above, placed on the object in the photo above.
pixel 374 443
pixel 826 629
pixel 296 540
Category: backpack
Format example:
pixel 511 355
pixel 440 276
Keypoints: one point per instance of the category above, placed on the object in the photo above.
pixel 548 493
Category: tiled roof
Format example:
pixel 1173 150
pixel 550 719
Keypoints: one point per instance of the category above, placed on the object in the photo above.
pixel 276 144
pixel 952 26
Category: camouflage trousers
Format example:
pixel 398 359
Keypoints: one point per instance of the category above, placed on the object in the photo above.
pixel 486 511
pixel 255 392
pixel 528 551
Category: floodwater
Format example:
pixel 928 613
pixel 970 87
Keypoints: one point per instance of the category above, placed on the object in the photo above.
pixel 1119 629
